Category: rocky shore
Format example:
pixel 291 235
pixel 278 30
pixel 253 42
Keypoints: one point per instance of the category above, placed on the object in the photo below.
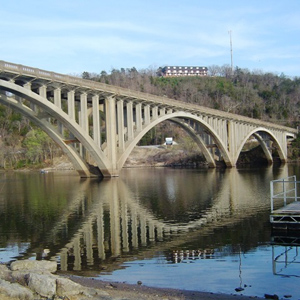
pixel 37 280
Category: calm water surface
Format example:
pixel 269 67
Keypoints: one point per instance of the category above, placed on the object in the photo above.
pixel 204 230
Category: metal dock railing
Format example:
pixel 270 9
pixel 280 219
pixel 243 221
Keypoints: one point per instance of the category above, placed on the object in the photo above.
pixel 285 204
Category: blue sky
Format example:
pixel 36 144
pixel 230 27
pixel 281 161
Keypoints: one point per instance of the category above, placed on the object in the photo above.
pixel 72 36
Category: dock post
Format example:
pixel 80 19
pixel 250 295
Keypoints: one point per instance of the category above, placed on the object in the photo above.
pixel 272 195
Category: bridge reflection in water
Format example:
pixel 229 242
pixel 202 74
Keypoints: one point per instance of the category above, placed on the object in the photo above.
pixel 109 229
pixel 110 222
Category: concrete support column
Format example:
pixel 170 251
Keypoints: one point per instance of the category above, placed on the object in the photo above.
pixel 229 135
pixel 283 143
pixel 162 111
pixel 96 120
pixel 83 119
pixel 57 97
pixel 120 111
pixel 232 139
pixel 207 118
pixel 237 135
pixel 219 125
pixel 193 124
pixel 57 102
pixel 138 116
pixel 71 105
pixel 43 91
pixel 111 131
pixel 154 113
pixel 224 133
pixel 147 114
pixel 129 107
pixel 27 86
pixel 215 125
pixel 169 111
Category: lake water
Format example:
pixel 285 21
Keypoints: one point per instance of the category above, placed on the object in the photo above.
pixel 194 229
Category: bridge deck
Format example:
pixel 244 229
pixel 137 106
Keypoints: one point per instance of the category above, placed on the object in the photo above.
pixel 286 217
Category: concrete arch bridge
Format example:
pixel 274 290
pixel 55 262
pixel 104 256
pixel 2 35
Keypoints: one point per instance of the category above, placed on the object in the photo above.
pixel 98 125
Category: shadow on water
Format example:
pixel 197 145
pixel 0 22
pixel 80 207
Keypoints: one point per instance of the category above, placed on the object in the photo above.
pixel 171 216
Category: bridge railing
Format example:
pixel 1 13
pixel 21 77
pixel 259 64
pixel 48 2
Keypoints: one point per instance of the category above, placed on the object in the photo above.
pixel 285 189
pixel 127 93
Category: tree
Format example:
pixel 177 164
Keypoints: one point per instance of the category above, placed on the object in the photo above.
pixel 296 147
pixel 214 70
pixel 39 146
pixel 86 75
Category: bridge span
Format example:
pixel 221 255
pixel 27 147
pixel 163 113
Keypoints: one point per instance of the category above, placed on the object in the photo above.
pixel 98 125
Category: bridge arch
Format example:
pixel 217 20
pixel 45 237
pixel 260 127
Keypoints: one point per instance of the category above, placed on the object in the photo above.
pixel 178 117
pixel 73 156
pixel 255 132
pixel 50 110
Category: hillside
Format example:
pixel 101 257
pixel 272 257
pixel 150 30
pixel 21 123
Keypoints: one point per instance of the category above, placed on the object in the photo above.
pixel 265 96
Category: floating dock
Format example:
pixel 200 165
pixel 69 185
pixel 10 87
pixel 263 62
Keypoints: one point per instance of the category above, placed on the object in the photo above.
pixel 285 203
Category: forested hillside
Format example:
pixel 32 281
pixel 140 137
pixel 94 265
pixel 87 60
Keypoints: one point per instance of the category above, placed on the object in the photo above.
pixel 266 96
pixel 21 143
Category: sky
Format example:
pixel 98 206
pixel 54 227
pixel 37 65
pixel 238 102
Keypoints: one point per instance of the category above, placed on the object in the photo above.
pixel 74 36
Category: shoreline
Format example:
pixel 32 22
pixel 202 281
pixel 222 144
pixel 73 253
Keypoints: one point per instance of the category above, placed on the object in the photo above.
pixel 38 280
pixel 140 292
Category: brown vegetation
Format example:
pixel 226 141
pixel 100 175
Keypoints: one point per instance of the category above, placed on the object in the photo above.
pixel 264 96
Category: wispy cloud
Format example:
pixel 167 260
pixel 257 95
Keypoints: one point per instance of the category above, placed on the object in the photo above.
pixel 161 32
